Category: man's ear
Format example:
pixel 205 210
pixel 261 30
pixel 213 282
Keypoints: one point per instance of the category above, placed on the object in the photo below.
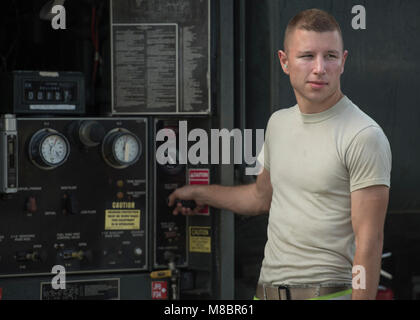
pixel 283 61
pixel 345 54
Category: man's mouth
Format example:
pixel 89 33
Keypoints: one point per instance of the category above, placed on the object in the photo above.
pixel 317 84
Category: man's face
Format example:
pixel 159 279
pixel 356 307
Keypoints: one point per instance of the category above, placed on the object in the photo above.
pixel 315 62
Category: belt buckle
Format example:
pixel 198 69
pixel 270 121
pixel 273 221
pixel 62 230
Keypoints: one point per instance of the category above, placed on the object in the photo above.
pixel 288 296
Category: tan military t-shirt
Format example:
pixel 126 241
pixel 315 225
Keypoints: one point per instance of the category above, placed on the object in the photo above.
pixel 315 161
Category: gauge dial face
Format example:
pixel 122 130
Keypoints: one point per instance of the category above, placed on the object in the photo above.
pixel 48 149
pixel 121 148
pixel 126 149
pixel 53 149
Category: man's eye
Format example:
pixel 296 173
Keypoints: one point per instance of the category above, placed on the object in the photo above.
pixel 332 56
pixel 307 56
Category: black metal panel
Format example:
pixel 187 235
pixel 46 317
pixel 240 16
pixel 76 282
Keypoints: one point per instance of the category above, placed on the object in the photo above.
pixel 130 287
pixel 55 50
pixel 78 214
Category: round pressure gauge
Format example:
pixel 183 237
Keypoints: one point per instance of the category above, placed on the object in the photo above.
pixel 48 149
pixel 121 148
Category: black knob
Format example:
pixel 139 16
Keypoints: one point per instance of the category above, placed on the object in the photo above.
pixel 91 133
pixel 69 204
pixel 185 203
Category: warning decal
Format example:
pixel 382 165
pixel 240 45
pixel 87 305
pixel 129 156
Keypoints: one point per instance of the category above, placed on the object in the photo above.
pixel 122 219
pixel 200 176
pixel 200 239
pixel 159 290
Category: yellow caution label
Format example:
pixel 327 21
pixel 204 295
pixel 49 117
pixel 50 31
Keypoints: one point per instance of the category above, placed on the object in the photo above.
pixel 161 274
pixel 122 219
pixel 123 205
pixel 200 239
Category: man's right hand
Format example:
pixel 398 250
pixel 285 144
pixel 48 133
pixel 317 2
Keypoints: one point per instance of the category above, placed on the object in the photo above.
pixel 187 192
pixel 252 199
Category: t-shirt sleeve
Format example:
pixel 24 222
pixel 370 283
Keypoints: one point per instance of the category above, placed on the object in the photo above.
pixel 260 159
pixel 369 159
pixel 264 156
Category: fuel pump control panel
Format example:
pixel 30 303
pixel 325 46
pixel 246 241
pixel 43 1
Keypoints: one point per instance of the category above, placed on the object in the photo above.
pixel 79 197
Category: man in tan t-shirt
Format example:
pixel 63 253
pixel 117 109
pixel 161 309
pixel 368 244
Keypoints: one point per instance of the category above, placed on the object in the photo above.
pixel 325 178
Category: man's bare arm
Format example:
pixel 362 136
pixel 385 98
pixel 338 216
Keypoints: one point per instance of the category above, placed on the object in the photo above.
pixel 251 199
pixel 368 210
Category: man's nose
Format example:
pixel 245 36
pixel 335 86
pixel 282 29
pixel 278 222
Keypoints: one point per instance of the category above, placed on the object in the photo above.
pixel 319 67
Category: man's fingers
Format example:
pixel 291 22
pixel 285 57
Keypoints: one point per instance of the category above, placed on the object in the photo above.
pixel 185 211
pixel 177 209
pixel 197 209
pixel 185 207
pixel 171 199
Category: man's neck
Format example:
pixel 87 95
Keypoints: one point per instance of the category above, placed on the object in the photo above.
pixel 307 107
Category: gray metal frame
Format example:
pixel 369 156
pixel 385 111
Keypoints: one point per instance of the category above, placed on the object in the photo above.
pixel 225 245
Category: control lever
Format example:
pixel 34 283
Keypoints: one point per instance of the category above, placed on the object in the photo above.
pixel 175 274
pixel 185 203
